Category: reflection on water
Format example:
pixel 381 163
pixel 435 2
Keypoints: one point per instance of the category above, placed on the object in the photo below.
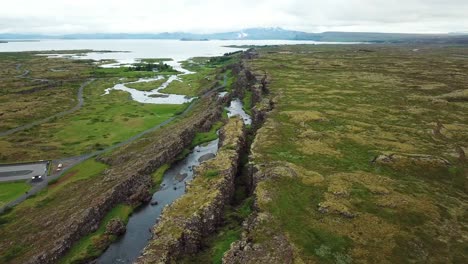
pixel 153 96
pixel 235 109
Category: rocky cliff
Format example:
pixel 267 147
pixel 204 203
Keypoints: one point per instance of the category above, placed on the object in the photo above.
pixel 198 213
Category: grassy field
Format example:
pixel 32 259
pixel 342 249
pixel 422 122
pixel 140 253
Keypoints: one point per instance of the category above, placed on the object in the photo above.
pixel 91 128
pixel 9 191
pixel 364 154
pixel 49 87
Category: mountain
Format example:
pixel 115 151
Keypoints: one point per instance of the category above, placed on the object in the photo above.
pixel 274 33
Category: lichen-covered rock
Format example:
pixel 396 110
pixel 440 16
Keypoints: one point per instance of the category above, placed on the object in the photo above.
pixel 115 227
pixel 400 160
pixel 142 195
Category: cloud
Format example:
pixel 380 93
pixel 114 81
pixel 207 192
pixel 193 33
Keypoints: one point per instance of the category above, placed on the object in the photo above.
pixel 152 16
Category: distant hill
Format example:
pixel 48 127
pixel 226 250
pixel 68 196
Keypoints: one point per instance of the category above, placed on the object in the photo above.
pixel 265 34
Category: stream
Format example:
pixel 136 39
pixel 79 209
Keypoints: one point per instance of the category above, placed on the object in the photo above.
pixel 155 96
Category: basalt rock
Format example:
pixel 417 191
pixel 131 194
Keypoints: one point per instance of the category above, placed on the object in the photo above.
pixel 142 195
pixel 115 227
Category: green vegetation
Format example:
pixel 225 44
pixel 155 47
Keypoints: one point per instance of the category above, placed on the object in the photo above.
pixel 84 170
pixel 247 102
pixel 121 72
pixel 155 67
pixel 231 78
pixel 364 144
pixel 212 173
pixel 146 86
pixel 155 60
pixel 9 191
pixel 203 137
pixel 193 84
pixel 94 244
pixel 158 175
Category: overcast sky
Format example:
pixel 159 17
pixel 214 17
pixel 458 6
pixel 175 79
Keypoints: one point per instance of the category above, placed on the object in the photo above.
pixel 206 16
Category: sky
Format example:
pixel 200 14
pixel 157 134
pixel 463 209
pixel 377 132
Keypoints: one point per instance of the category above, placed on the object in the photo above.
pixel 209 16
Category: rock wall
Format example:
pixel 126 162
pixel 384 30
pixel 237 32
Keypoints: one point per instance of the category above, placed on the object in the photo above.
pixel 128 179
pixel 277 249
pixel 200 211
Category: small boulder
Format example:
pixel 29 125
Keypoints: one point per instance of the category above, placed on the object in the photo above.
pixel 143 195
pixel 206 157
pixel 115 227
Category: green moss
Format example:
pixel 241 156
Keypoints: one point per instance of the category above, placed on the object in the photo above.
pixel 158 175
pixel 211 173
pixel 204 137
pixel 247 102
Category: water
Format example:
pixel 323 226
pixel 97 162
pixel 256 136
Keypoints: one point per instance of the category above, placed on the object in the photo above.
pixel 153 96
pixel 140 48
pixel 235 109
pixel 128 247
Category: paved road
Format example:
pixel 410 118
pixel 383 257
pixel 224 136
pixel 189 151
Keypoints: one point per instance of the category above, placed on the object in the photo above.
pixel 76 160
pixel 47 119
pixel 24 171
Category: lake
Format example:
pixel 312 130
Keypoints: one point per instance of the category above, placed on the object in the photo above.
pixel 142 48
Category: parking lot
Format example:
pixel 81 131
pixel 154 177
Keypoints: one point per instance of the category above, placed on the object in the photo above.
pixel 23 171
